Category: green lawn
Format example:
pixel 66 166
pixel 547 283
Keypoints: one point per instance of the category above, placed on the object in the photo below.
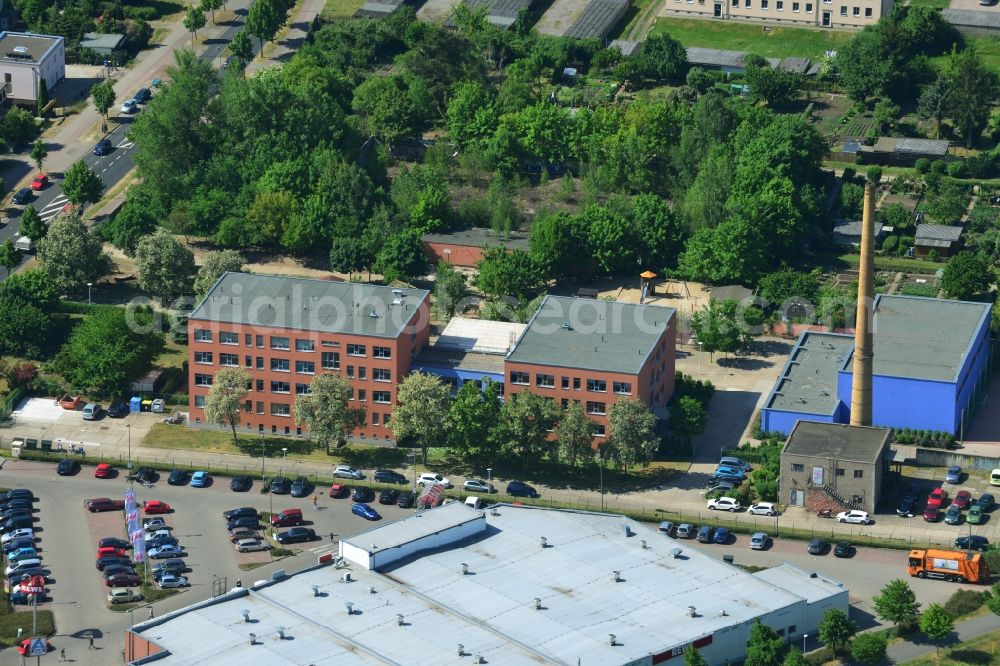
pixel 336 10
pixel 933 4
pixel 987 47
pixel 982 651
pixel 778 43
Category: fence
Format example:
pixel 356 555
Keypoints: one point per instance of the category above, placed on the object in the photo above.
pixel 10 403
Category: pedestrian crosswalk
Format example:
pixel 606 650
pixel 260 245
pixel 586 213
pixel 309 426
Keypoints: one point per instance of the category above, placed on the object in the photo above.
pixel 53 208
pixel 325 548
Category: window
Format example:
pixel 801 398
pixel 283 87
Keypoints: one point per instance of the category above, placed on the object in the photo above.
pixel 203 380
pixel 856 11
pixel 622 388
pixel 809 8
pixel 278 342
pixel 520 378
pixel 302 389
pixel 576 383
pixel 597 385
pixel 798 467
pixel 280 387
pixel 385 419
pixel 203 357
pixel 280 409
pixel 840 472
pixel 305 345
pixel 565 383
pixel 248 407
pixel 843 11
pixel 362 395
pixel 330 343
pixel 381 397
pixel 350 372
pixel 260 362
pixel 545 381
pixel 381 375
pixel 260 385
pixel 795 6
pixel 596 407
pixel 330 360
pixel 868 12
pixel 202 335
pixel 199 401
pixel 355 350
pixel 248 361
pixel 599 430
pixel 247 342
pixel 229 360
pixel 260 342
pixel 736 3
pixel 859 474
pixel 228 338
pixel 362 372
pixel 382 352
pixel 259 407
pixel 780 5
pixel 564 403
pixel 747 4
pixel 305 367
pixel 764 4
pixel 280 365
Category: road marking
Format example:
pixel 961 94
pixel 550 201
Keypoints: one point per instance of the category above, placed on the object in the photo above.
pixel 53 208
pixel 319 550
pixel 126 144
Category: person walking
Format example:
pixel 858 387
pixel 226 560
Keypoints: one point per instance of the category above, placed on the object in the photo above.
pixel 315 500
pixel 91 647
pixel 62 654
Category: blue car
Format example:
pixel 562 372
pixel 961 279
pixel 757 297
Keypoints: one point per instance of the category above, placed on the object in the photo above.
pixel 722 470
pixel 200 479
pixel 364 511
pixel 21 554
pixel 102 148
pixel 721 535
pixel 166 551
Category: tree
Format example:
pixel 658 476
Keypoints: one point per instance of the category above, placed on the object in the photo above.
pixel 993 600
pixel 387 108
pixel 772 85
pixel 163 265
pixel 194 20
pixel 692 657
pixel 449 289
pixel 401 257
pixel 869 647
pixel 225 400
pixel 836 629
pixel 22 374
pixel 472 419
pixel 525 422
pixel 217 263
pixel 967 275
pixel 716 327
pixel 662 57
pixel 795 658
pixel 19 127
pixel 72 255
pixel 788 285
pixel 688 417
pixel 264 19
pixel 32 225
pixel 764 646
pixel 81 185
pixel 505 273
pixel 632 432
pixel 38 153
pixel 242 48
pixel 421 413
pixel 10 256
pixel 974 88
pixel 936 624
pixel 24 326
pixel 103 94
pixel 933 102
pixel 348 255
pixel 897 603
pixel 326 410
pixel 210 6
pixel 575 434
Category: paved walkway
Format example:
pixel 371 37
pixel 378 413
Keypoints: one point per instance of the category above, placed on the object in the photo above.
pixel 966 630
pixel 293 38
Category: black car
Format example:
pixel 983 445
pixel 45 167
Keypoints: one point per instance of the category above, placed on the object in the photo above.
pixel 388 497
pixel 520 489
pixel 280 485
pixel 390 476
pixel 905 508
pixel 118 409
pixel 242 512
pixel 818 547
pixel 15 504
pixel 115 569
pixel 406 499
pixel 142 95
pixel 162 540
pixel 146 475
pixel 301 487
pixel 23 542
pixel 23 196
pixel 240 484
pixel 363 494
pixel 102 148
pixel 248 523
pixel 297 535
pixel 174 565
pixel 843 549
pixel 67 467
pixel 974 542
pixel 16 493
pixel 179 477
pixel 106 561
pixel 114 542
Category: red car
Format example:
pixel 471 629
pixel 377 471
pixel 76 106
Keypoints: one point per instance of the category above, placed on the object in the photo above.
pixel 156 506
pixel 108 550
pixel 962 499
pixel 40 182
pixel 104 471
pixel 123 580
pixel 340 490
pixel 936 498
pixel 931 514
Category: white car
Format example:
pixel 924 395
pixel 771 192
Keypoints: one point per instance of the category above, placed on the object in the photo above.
pixel 157 524
pixel 763 509
pixel 130 106
pixel 429 479
pixel 724 504
pixel 855 516
pixel 21 532
pixel 172 580
pixel 758 541
pixel 250 545
pixel 347 472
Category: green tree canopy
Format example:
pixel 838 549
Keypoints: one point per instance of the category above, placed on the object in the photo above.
pixel 525 422
pixel 401 257
pixel 967 275
pixel 215 264
pixel 32 225
pixel 225 400
pixel 869 647
pixel 897 603
pixel 836 629
pixel 936 624
pixel 421 412
pixel 164 265
pixel 972 88
pixel 81 185
pixel 472 420
pixel 72 255
pixel 632 433
pixel 504 273
pixel 575 434
pixel 326 410
pixel 764 646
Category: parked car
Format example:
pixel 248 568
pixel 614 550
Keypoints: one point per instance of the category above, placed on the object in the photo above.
pixel 22 533
pixel 974 542
pixel 705 534
pixel 146 475
pixel 104 471
pixel 280 486
pixel 296 535
pixel 103 563
pixel 142 95
pixel 962 499
pixel 15 544
pixel 723 486
pixel 242 534
pixel 118 409
pixel 685 531
pixel 362 494
pixel 931 514
pixel 23 553
pixel 936 498
pixel 123 595
pixel 243 524
pixel 975 515
pixel 478 486
pixel 24 196
pixel 430 479
pixel 113 551
pixel 170 580
pixel 92 411
pixel 762 509
pixel 240 484
pixel 130 106
pixel 666 528
pixel 16 493
pixel 388 497
pixel 738 463
pixel 251 545
pixel 759 541
pixel 200 479
pixel 156 506
pixel 818 547
pixel 114 542
pixel 843 549
pixel 161 540
pixel 39 182
pixel 242 512
pixel 390 476
pixel 347 472
pixel 406 499
pixel 287 517
pixel 985 501
pixel 98 504
pixel 102 148
pixel 153 524
pixel 953 475
pixel 166 551
pixel 724 504
pixel 340 490
pixel 123 580
pixel 364 511
pixel 172 565
pixel 721 536
pixel 905 508
pixel 953 516
pixel 179 477
pixel 855 516
pixel 17 523
pixel 520 489
pixel 724 470
pixel 67 467
pixel 301 487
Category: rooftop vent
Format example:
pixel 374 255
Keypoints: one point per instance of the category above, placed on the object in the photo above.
pixel 371 589
pixel 461 650
pixel 617 576
pixel 543 542
pixel 315 590
pixel 692 612
pixel 281 633
pixel 612 640
pixel 350 607
pixel 538 603
pixel 494 512
pixel 20 49
pixel 813 575
pixel 253 639
pixel 723 613
pixel 400 620
pixel 676 552
pixel 373 315
pixel 642 544
pixel 246 615
pixel 477 659
pixel 346 578
pixel 628 531
pixel 567 326
pixel 465 569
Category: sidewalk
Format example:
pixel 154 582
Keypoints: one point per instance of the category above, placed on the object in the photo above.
pixel 293 38
pixel 966 630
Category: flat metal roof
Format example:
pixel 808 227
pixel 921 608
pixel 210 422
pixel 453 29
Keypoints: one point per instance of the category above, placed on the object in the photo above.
pixel 100 40
pixel 838 441
pixel 597 19
pixel 408 529
pixel 698 55
pixel 24 47
pixel 430 358
pixel 808 382
pixel 480 237
pixel 938 232
pixel 480 335
pixel 501 13
pixel 304 304
pixel 591 334
pixel 811 585
pixel 971 17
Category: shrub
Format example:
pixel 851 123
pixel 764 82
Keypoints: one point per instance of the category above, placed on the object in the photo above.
pixel 22 374
pixel 963 602
pixel 922 165
pixel 957 169
pixel 939 166
pixel 140 12
pixel 982 165
pixel 890 244
pixel 869 647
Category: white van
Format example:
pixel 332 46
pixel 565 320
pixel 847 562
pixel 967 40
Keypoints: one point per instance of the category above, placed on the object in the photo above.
pixel 474 502
pixel 18 567
pixel 995 477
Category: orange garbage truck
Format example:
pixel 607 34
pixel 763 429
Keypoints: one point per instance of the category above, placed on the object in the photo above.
pixel 953 565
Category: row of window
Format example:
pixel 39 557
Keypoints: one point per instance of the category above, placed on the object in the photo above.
pixel 330 361
pixel 840 471
pixel 549 381
pixel 779 5
pixel 284 343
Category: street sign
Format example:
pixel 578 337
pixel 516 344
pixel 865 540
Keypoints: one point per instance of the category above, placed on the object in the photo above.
pixel 38 647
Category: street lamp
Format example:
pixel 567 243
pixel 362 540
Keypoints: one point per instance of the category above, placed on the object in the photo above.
pixel 89 285
pixel 804 637
pixel 262 455
pixel 128 429
pixel 489 475
pixel 284 450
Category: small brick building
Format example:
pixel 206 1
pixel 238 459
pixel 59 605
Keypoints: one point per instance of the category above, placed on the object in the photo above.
pixel 464 248
pixel 833 466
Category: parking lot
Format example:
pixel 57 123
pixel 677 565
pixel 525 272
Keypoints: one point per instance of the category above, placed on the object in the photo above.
pixel 69 537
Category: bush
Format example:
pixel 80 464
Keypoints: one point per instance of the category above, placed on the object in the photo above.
pixel 140 12
pixel 939 167
pixel 890 244
pixel 922 165
pixel 982 165
pixel 957 169
pixel 964 602
pixel 869 647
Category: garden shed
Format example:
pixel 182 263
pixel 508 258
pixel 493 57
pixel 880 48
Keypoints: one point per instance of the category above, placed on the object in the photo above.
pixel 904 152
pixel 945 239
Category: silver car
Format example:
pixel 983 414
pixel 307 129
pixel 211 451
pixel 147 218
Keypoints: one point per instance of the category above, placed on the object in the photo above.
pixel 685 531
pixel 347 472
pixel 478 486
pixel 250 545
pixel 758 541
